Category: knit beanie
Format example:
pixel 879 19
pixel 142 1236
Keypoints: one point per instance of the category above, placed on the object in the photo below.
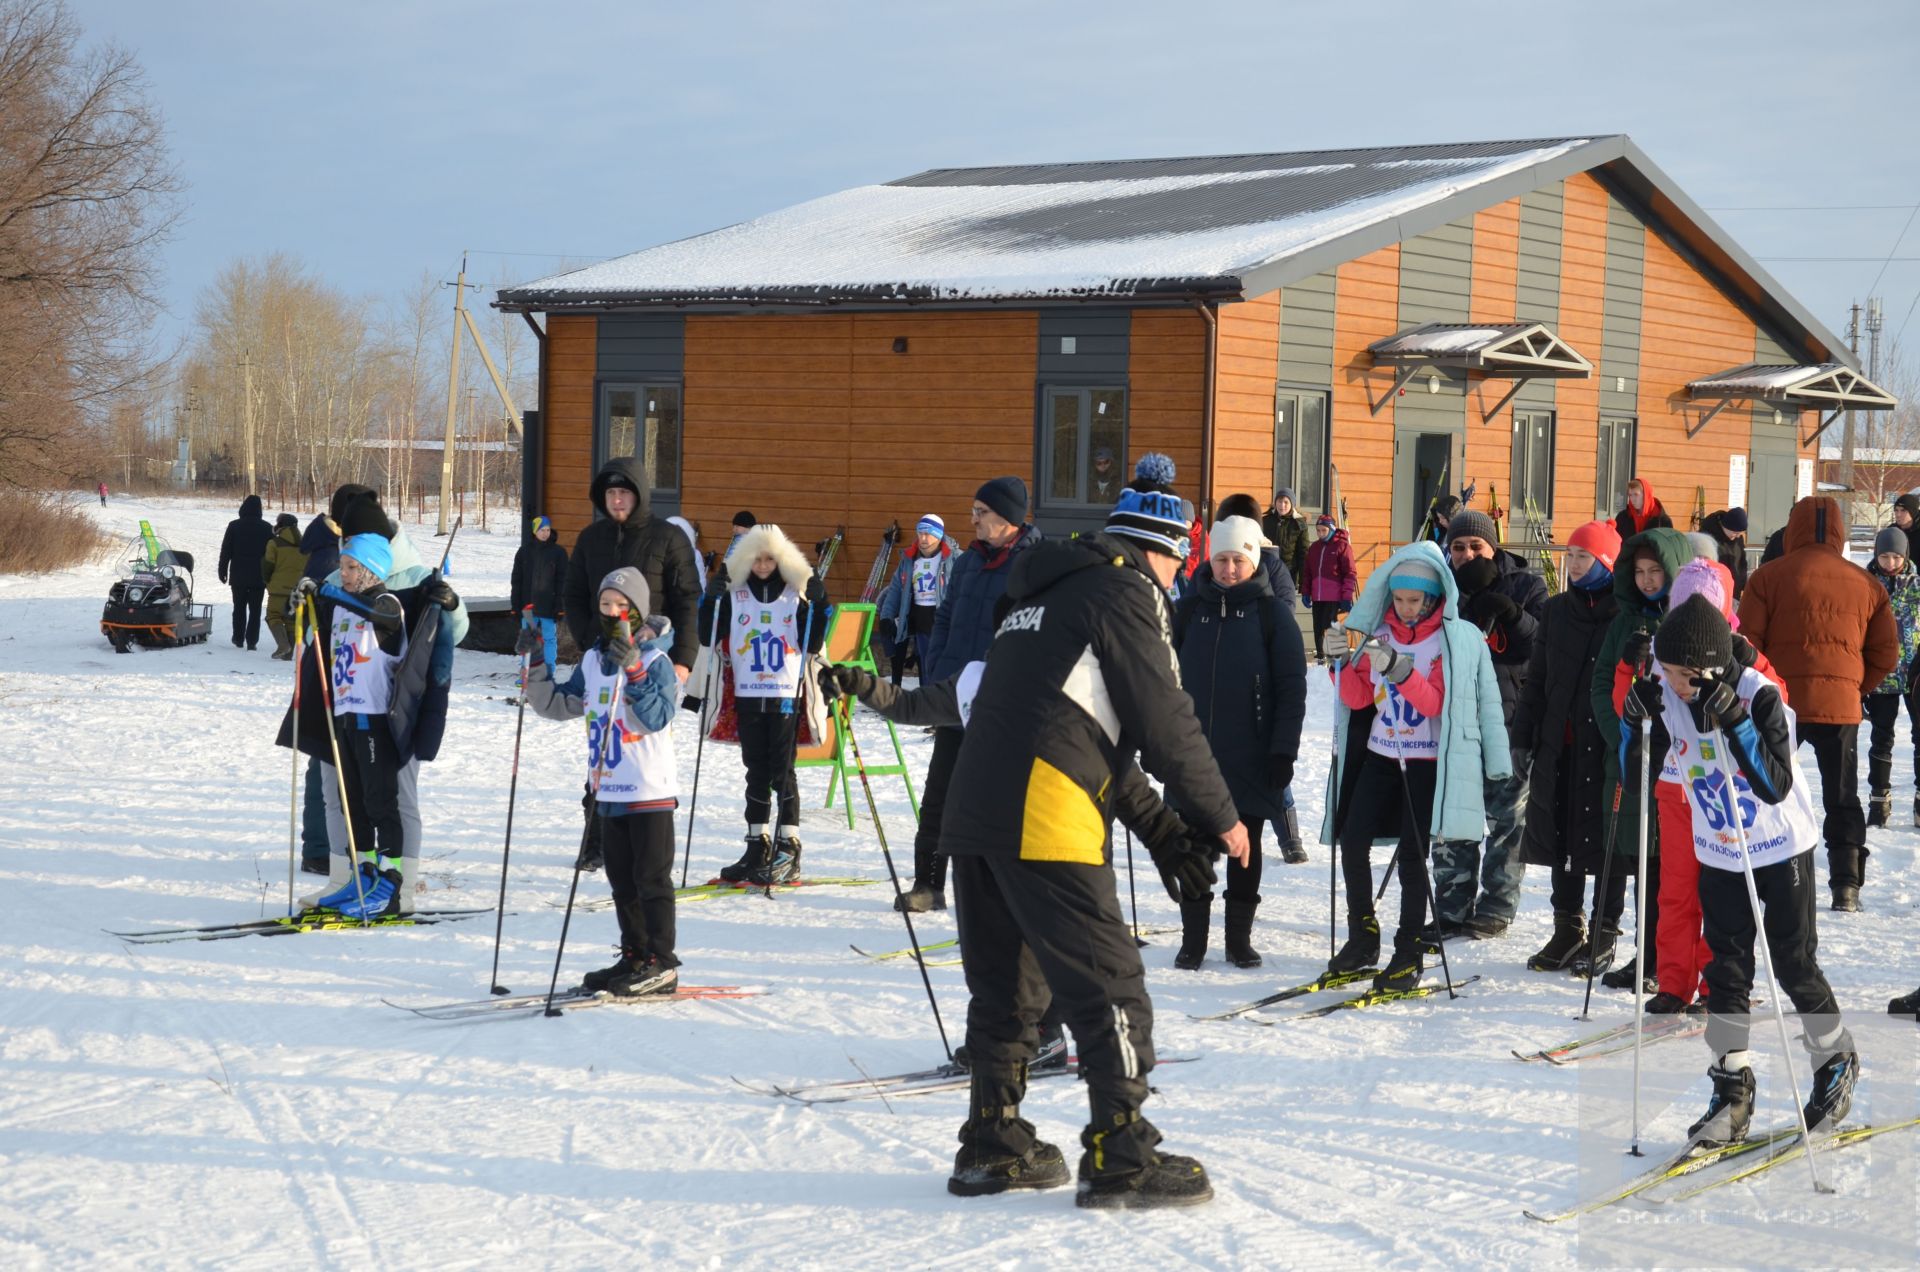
pixel 1416 575
pixel 1155 469
pixel 1007 497
pixel 1911 502
pixel 631 584
pixel 1892 539
pixel 745 520
pixel 931 524
pixel 372 551
pixel 1703 546
pixel 540 523
pixel 286 519
pixel 1326 521
pixel 1157 520
pixel 362 514
pixel 1238 534
pixel 1286 494
pixel 1735 519
pixel 1599 540
pixel 1694 635
pixel 1469 522
pixel 1701 577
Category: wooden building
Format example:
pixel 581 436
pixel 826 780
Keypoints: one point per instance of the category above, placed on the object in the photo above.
pixel 1539 319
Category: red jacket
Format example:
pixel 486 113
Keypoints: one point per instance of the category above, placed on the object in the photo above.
pixel 1329 574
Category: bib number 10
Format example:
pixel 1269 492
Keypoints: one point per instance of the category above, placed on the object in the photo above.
pixel 768 652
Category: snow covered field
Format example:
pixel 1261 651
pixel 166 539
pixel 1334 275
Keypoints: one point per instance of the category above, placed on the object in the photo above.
pixel 250 1103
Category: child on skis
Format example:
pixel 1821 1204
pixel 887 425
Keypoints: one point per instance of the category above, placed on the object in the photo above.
pixel 1327 580
pixel 768 620
pixel 367 637
pixel 1417 731
pixel 1698 702
pixel 1893 567
pixel 626 689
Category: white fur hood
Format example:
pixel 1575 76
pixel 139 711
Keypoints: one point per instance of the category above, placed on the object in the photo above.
pixel 771 539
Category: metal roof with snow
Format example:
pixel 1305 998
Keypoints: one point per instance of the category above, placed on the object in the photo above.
pixel 1517 351
pixel 1146 231
pixel 1827 386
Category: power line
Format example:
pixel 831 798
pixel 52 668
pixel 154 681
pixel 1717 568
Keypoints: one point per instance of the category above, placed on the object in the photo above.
pixel 590 256
pixel 1896 247
pixel 1851 259
pixel 1826 207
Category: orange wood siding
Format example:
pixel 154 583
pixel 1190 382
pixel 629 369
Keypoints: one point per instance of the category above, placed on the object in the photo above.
pixel 1249 357
pixel 568 422
pixel 1166 374
pixel 1366 309
pixel 1583 276
pixel 1488 457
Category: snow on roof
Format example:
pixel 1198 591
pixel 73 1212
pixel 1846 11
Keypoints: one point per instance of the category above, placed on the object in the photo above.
pixel 1762 379
pixel 1444 340
pixel 1078 231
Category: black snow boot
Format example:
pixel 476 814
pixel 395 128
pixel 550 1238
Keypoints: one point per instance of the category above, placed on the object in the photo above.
pixel 1292 851
pixel 1846 872
pixel 1568 939
pixel 1362 949
pixel 645 978
pixel 998 1149
pixel 1122 1169
pixel 1598 953
pixel 1879 809
pixel 1905 1005
pixel 919 899
pixel 597 982
pixel 1240 951
pixel 1403 970
pixel 1837 1071
pixel 1195 918
pixel 759 852
pixel 1730 1111
pixel 1622 978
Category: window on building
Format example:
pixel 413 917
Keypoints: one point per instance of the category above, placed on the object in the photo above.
pixel 1532 473
pixel 1613 468
pixel 1083 446
pixel 1300 446
pixel 643 420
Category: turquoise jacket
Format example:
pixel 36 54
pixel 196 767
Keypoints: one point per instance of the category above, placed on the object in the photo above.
pixel 1473 730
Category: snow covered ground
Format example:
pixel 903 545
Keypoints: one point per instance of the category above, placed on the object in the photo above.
pixel 250 1103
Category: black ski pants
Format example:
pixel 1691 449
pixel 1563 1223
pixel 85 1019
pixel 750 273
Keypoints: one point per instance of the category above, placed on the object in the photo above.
pixel 1377 809
pixel 1041 932
pixel 1570 894
pixel 638 849
pixel 1786 899
pixel 1883 719
pixel 766 746
pixel 371 765
pixel 929 863
pixel 246 612
pixel 1324 614
pixel 1836 748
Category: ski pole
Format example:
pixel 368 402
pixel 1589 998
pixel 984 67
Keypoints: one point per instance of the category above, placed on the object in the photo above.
pixel 293 790
pixel 1133 898
pixel 1731 805
pixel 793 705
pixel 595 744
pixel 714 655
pixel 1604 880
pixel 1420 837
pixel 873 810
pixel 513 791
pixel 1640 925
pixel 339 773
pixel 1339 632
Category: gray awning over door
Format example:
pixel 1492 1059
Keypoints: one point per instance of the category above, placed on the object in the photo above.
pixel 1517 351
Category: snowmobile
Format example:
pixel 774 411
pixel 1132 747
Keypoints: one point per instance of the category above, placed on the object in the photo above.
pixel 152 604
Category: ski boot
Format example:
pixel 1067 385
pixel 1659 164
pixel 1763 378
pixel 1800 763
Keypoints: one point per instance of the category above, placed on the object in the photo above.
pixel 1052 1054
pixel 1568 939
pixel 597 982
pixel 1362 949
pixel 383 897
pixel 998 1149
pixel 1623 977
pixel 1833 1082
pixel 1122 1171
pixel 1195 917
pixel 1403 970
pixel 1240 951
pixel 1597 955
pixel 350 892
pixel 1441 930
pixel 759 852
pixel 1879 809
pixel 782 867
pixel 1730 1111
pixel 1665 1004
pixel 1905 1005
pixel 919 899
pixel 645 978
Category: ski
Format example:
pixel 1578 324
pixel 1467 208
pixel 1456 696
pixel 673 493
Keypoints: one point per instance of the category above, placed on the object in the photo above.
pixel 567 1000
pixel 926 1082
pixel 1842 1138
pixel 827 551
pixel 284 920
pixel 1370 998
pixel 1685 1162
pixel 1617 1039
pixel 906 951
pixel 703 891
pixel 1324 981
pixel 877 576
pixel 316 923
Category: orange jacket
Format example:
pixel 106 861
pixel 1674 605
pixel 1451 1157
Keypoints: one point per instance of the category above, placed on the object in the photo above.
pixel 1821 619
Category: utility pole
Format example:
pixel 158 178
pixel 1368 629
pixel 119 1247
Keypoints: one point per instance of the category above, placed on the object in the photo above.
pixel 453 394
pixel 1846 435
pixel 1873 352
pixel 246 367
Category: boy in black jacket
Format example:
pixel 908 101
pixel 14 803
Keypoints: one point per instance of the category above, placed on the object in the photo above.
pixel 539 576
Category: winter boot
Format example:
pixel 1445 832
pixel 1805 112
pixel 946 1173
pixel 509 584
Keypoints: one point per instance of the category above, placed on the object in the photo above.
pixel 350 892
pixel 759 852
pixel 1916 811
pixel 1292 851
pixel 1879 809
pixel 1833 1081
pixel 783 866
pixel 1597 955
pixel 1905 1005
pixel 1730 1111
pixel 1568 939
pixel 1665 1004
pixel 1623 977
pixel 382 898
pixel 1487 927
pixel 998 1149
pixel 1846 898
pixel 1846 871
pixel 1240 951
pixel 919 899
pixel 1403 970
pixel 282 647
pixel 1433 934
pixel 597 982
pixel 1195 918
pixel 645 978
pixel 1362 949
pixel 1121 1169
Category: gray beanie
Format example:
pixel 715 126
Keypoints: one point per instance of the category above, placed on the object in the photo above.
pixel 1469 522
pixel 1892 539
pixel 631 584
pixel 1703 546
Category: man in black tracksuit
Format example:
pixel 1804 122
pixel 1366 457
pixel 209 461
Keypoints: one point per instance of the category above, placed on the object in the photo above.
pixel 1080 678
pixel 242 550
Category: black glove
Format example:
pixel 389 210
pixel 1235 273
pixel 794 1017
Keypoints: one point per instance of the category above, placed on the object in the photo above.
pixel 1716 704
pixel 837 682
pixel 529 643
pixel 717 580
pixel 1491 608
pixel 1279 772
pixel 436 590
pixel 1645 700
pixel 1743 651
pixel 1186 866
pixel 1475 574
pixel 1637 653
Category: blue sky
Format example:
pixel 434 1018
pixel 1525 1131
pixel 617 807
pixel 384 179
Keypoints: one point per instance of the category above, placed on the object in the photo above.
pixel 374 140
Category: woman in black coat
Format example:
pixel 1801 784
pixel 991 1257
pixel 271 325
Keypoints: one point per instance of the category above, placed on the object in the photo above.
pixel 1566 826
pixel 1244 665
